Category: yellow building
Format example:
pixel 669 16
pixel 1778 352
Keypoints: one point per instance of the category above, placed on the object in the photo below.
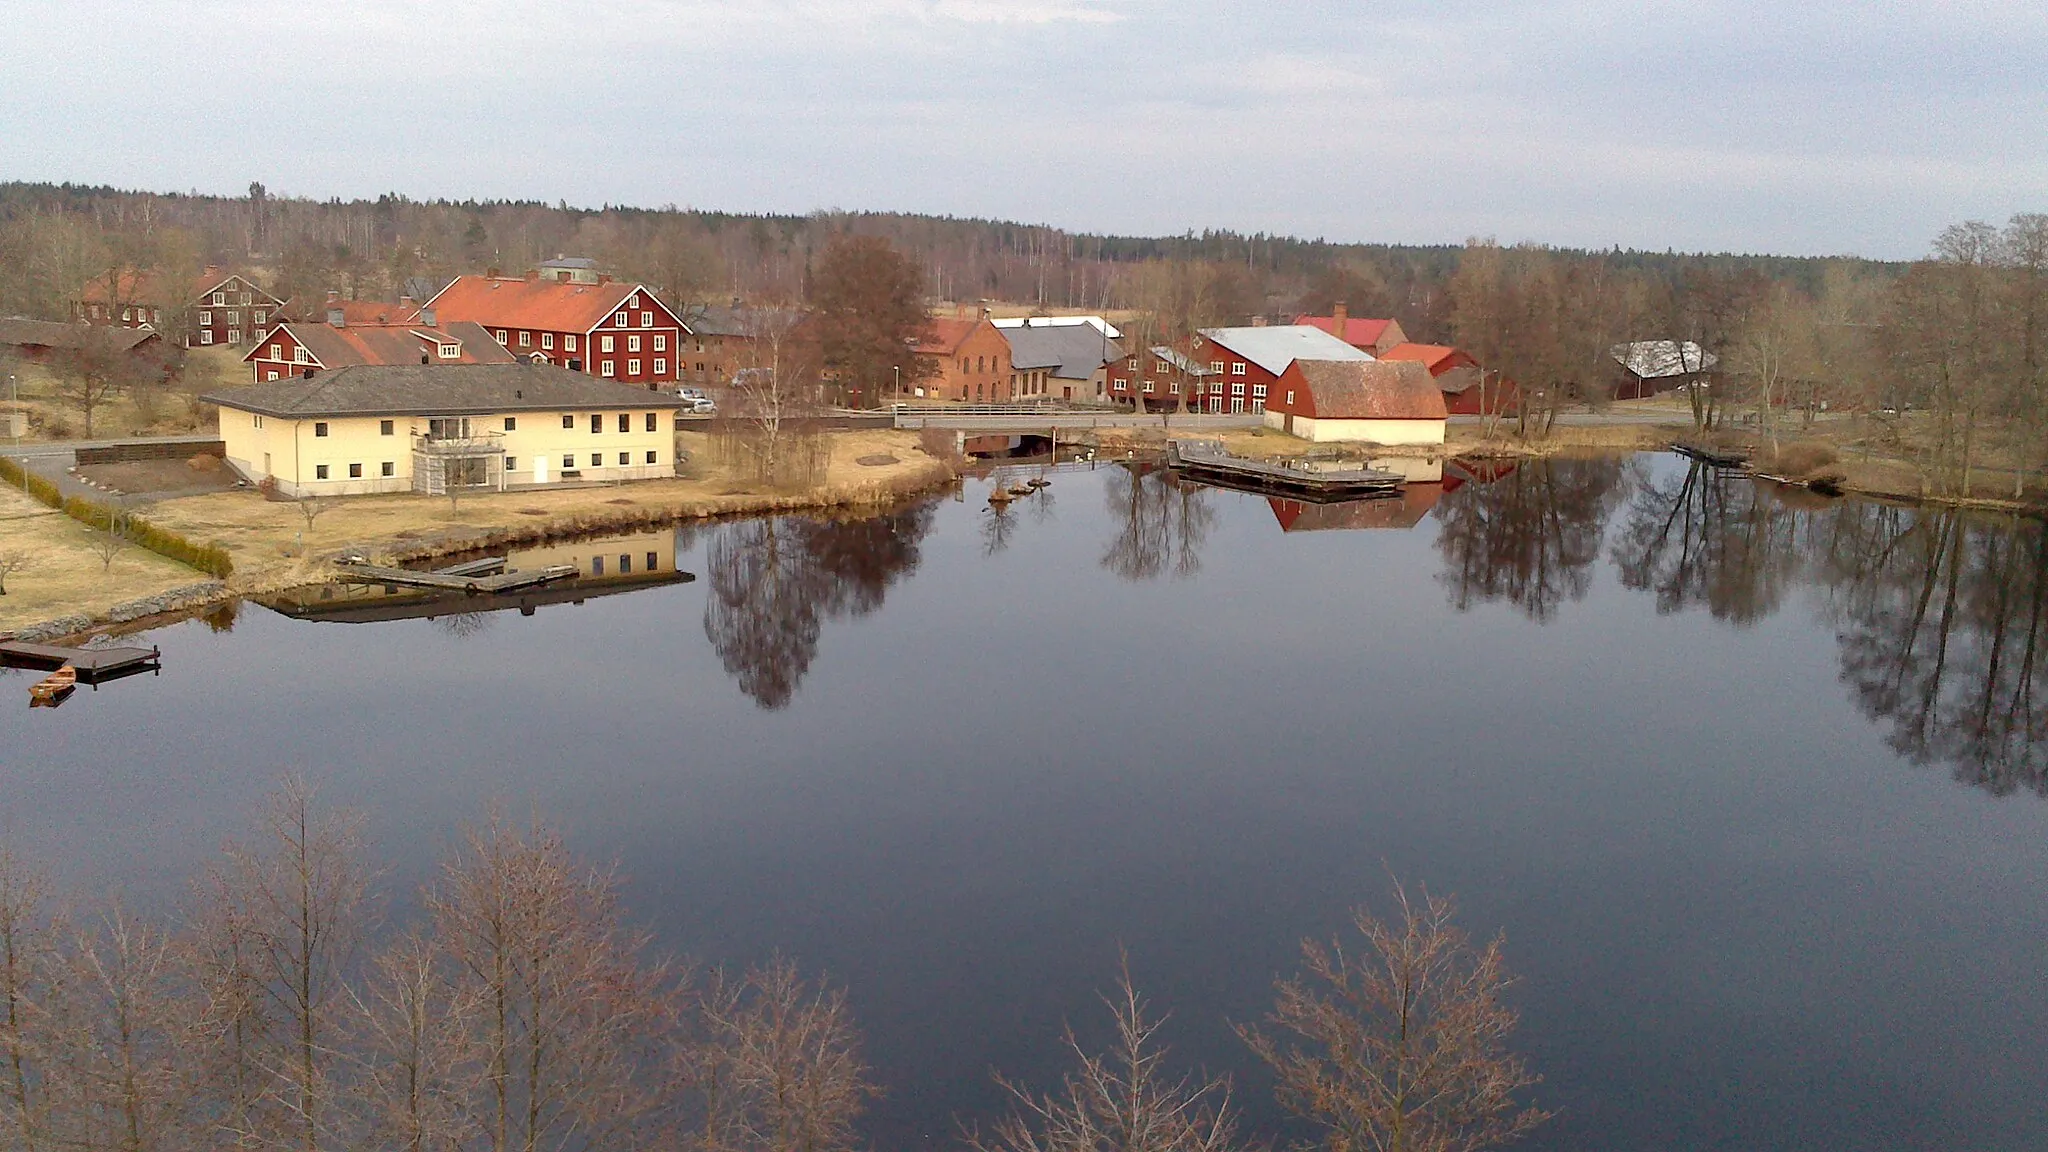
pixel 426 427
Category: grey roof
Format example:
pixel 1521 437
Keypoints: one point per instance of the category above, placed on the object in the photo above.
pixel 437 390
pixel 1657 359
pixel 715 320
pixel 1095 322
pixel 22 333
pixel 568 262
pixel 1071 351
pixel 1275 346
pixel 1174 357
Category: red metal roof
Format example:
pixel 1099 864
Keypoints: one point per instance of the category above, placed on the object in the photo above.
pixel 1438 358
pixel 1358 330
pixel 541 305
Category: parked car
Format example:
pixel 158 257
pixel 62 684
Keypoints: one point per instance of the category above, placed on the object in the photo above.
pixel 688 393
pixel 703 406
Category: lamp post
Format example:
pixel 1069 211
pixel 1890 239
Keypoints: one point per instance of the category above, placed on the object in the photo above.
pixel 898 370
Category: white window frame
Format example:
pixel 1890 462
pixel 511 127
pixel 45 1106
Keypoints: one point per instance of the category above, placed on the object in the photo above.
pixel 632 343
pixel 604 344
pixel 1148 386
pixel 647 319
pixel 219 300
pixel 605 369
pixel 502 338
pixel 661 342
pixel 619 321
pixel 206 335
pixel 1258 391
pixel 206 319
pixel 525 338
pixel 450 351
pixel 1290 397
pixel 633 301
pixel 1237 368
pixel 569 342
pixel 660 366
pixel 547 339
pixel 632 367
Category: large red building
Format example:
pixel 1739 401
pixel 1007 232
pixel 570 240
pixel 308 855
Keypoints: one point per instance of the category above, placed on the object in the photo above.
pixel 1239 366
pixel 610 329
pixel 218 307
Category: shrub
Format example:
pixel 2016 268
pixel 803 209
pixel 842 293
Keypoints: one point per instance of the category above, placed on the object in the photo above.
pixel 1798 461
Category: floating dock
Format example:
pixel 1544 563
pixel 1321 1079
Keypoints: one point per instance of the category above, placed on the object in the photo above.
pixel 92 664
pixel 466 577
pixel 1206 461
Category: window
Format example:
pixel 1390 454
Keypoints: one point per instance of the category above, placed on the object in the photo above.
pixel 653 458
pixel 205 319
pixel 597 565
pixel 384 428
pixel 653 561
pixel 660 366
pixel 597 459
pixel 301 356
pixel 596 423
pixel 355 471
pixel 547 339
pixel 1148 385
pixel 244 298
pixel 633 301
pixel 1216 366
pixel 625 458
pixel 647 319
pixel 525 339
pixel 234 335
pixel 1174 388
pixel 632 343
pixel 1290 396
pixel 259 419
pixel 606 369
pixel 218 298
pixel 270 375
pixel 569 342
pixel 661 343
pixel 127 314
pixel 451 351
pixel 625 421
pixel 632 367
pixel 619 321
pixel 980 363
pixel 511 423
pixel 501 336
pixel 1132 363
pixel 259 316
pixel 1258 391
pixel 626 564
pixel 319 471
pixel 277 351
pixel 1121 385
pixel 1237 388
pixel 234 316
pixel 319 427
pixel 387 468
pixel 206 335
pixel 1237 368
pixel 568 462
pixel 511 463
pixel 651 421
pixel 604 344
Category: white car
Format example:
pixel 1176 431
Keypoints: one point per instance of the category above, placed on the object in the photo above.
pixel 701 405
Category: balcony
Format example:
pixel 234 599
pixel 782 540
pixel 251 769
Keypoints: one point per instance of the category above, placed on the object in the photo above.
pixel 473 444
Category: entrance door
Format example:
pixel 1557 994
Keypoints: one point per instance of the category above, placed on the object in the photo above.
pixel 540 469
pixel 266 464
pixel 1066 393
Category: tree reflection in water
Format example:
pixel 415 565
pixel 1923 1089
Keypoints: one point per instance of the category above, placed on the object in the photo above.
pixel 1530 538
pixel 1161 523
pixel 1708 538
pixel 774 582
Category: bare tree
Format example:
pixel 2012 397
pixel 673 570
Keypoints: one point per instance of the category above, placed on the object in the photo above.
pixel 772 435
pixel 412 1035
pixel 310 508
pixel 109 537
pixel 301 891
pixel 14 560
pixel 565 1010
pixel 1122 1100
pixel 103 364
pixel 1401 1045
pixel 118 1067
pixel 27 968
pixel 778 1068
pixel 233 1026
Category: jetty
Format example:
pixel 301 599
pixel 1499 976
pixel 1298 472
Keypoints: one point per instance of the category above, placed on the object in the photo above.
pixel 486 576
pixel 1205 460
pixel 92 665
pixel 1708 454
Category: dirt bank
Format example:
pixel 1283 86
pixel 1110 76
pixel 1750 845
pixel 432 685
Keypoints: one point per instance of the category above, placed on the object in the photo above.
pixel 272 547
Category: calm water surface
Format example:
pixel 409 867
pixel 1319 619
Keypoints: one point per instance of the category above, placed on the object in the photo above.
pixel 1754 790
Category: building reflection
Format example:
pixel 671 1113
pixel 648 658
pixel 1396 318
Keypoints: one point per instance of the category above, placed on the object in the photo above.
pixel 606 566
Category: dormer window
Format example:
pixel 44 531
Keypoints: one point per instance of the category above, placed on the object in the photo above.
pixel 451 351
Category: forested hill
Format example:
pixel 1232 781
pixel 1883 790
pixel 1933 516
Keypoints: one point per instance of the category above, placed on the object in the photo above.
pixel 54 234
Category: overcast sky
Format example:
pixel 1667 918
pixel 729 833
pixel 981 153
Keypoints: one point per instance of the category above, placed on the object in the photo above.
pixel 1795 126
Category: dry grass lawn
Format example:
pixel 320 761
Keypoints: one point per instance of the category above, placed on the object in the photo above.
pixel 65 575
pixel 174 411
pixel 272 549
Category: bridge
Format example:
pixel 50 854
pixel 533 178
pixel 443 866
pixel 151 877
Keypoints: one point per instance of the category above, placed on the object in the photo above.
pixel 1031 419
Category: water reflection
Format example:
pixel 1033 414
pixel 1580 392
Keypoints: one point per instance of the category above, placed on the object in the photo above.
pixel 1161 522
pixel 774 582
pixel 1530 537
pixel 1703 537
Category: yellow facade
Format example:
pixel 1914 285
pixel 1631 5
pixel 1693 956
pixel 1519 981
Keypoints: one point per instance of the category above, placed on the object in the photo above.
pixel 354 455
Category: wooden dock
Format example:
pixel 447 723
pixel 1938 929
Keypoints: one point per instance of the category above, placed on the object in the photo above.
pixel 1707 454
pixel 1206 461
pixel 93 664
pixel 466 577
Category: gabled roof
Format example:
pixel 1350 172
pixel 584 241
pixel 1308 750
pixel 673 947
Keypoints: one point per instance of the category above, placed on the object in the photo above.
pixel 546 305
pixel 1438 358
pixel 437 390
pixel 391 343
pixel 1095 322
pixel 22 333
pixel 584 263
pixel 716 320
pixel 1275 346
pixel 1357 329
pixel 943 337
pixel 1657 359
pixel 1071 351
pixel 146 288
pixel 368 312
pixel 1372 390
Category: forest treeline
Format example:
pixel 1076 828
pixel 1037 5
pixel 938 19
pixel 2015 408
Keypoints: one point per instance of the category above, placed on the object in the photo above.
pixel 283 1006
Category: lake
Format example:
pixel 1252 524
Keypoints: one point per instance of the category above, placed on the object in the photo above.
pixel 1753 785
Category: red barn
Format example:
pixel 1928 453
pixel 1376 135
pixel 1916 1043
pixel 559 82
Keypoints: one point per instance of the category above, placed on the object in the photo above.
pixel 610 329
pixel 1466 390
pixel 1366 335
pixel 220 307
pixel 304 348
pixel 1239 366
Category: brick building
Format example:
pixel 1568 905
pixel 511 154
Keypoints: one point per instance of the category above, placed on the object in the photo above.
pixel 970 361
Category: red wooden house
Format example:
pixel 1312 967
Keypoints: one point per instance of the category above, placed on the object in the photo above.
pixel 1239 366
pixel 218 307
pixel 302 348
pixel 1467 391
pixel 611 329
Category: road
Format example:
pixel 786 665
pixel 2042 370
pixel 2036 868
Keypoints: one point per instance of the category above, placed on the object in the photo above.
pixel 54 460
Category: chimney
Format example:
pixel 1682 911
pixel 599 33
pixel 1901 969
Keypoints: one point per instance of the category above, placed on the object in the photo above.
pixel 427 317
pixel 336 318
pixel 333 297
pixel 1258 321
pixel 532 275
pixel 492 273
pixel 1338 315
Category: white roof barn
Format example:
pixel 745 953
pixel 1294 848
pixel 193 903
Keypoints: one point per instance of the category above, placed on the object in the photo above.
pixel 1273 347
